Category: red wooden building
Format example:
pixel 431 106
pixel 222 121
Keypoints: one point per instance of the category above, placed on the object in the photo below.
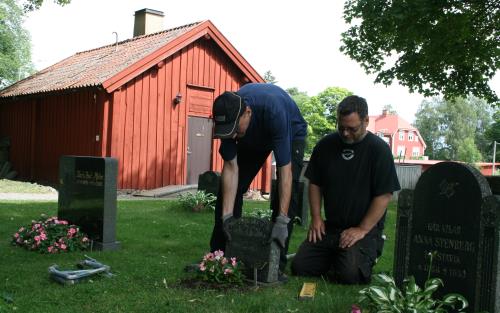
pixel 145 101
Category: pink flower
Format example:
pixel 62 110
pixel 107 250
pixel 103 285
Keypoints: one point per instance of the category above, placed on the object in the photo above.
pixel 43 236
pixel 208 257
pixel 37 238
pixel 202 267
pixel 16 235
pixel 223 261
pixel 233 262
pixel 85 239
pixel 50 248
pixel 228 271
pixel 62 246
pixel 21 229
pixel 63 222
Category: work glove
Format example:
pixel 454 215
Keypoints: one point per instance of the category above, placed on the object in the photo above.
pixel 226 220
pixel 280 229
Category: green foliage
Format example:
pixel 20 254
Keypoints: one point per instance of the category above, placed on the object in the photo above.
pixel 198 201
pixel 260 213
pixel 269 78
pixel 51 235
pixel 15 45
pixel 385 296
pixel 389 109
pixel 432 47
pixel 320 112
pixel 455 129
pixel 216 268
pixel 31 5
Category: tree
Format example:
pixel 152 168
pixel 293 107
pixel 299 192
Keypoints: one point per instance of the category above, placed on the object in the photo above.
pixel 269 78
pixel 389 109
pixel 31 5
pixel 330 99
pixel 15 45
pixel 320 112
pixel 449 47
pixel 454 129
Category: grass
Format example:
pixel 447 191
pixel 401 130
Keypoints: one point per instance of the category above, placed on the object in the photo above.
pixel 158 239
pixel 12 186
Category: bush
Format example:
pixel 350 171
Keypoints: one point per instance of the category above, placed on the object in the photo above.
pixel 198 201
pixel 385 296
pixel 51 236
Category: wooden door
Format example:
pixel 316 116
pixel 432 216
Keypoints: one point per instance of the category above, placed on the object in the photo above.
pixel 199 147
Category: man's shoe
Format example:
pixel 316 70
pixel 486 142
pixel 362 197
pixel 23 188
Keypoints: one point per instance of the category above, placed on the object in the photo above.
pixel 282 277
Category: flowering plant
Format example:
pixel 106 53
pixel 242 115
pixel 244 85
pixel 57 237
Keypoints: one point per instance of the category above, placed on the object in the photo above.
pixel 216 268
pixel 198 201
pixel 51 236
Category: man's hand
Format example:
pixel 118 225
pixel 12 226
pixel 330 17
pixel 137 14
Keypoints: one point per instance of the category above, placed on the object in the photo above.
pixel 350 236
pixel 280 229
pixel 226 220
pixel 316 230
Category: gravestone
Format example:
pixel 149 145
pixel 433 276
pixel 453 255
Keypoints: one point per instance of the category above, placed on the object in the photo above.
pixel 209 182
pixel 298 191
pixel 87 197
pixel 250 244
pixel 452 212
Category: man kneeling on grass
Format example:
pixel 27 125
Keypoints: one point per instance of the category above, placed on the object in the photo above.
pixel 353 170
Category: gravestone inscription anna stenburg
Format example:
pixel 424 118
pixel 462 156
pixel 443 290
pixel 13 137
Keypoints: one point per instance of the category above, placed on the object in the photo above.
pixel 453 213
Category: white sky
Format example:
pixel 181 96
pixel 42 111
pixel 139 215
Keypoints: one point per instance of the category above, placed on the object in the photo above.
pixel 297 40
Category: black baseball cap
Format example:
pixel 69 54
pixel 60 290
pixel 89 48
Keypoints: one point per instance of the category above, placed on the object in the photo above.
pixel 226 111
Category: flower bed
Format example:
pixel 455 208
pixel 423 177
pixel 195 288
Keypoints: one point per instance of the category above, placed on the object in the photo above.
pixel 51 236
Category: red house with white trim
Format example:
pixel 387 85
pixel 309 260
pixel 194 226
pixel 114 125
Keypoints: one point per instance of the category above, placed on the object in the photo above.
pixel 145 101
pixel 404 139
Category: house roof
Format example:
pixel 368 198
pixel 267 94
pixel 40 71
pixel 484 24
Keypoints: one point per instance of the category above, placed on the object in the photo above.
pixel 388 124
pixel 113 65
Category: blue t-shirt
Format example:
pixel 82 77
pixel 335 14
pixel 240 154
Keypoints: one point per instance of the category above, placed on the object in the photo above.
pixel 276 122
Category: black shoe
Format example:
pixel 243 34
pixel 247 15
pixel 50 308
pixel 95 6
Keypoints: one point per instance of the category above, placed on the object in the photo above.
pixel 282 277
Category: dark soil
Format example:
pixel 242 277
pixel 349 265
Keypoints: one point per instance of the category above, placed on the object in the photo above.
pixel 194 283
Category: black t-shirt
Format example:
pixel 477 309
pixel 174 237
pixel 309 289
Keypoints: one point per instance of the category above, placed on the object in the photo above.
pixel 350 176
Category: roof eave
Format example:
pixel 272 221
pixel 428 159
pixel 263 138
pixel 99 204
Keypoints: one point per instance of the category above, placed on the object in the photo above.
pixel 204 28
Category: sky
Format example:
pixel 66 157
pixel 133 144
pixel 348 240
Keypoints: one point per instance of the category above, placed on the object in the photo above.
pixel 298 41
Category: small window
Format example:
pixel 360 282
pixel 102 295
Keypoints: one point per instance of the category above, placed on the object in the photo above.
pixel 415 152
pixel 401 135
pixel 410 136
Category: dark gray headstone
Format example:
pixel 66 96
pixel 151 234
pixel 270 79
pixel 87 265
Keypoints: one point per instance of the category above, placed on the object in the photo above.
pixel 298 191
pixel 87 197
pixel 451 211
pixel 209 182
pixel 250 245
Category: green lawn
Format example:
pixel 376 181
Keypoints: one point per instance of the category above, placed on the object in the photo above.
pixel 158 239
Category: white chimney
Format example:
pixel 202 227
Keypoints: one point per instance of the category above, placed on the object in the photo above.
pixel 148 21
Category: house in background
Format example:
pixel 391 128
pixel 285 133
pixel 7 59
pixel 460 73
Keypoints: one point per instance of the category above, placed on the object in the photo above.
pixel 403 139
pixel 145 101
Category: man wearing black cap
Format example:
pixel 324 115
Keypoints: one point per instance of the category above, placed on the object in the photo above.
pixel 252 122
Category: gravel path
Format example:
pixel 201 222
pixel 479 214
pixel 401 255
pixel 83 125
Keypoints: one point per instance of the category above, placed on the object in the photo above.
pixel 29 196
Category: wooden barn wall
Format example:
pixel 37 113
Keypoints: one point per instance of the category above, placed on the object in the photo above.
pixel 149 132
pixel 16 122
pixel 44 128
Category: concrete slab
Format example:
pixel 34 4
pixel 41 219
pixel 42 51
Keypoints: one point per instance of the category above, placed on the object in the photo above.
pixel 166 191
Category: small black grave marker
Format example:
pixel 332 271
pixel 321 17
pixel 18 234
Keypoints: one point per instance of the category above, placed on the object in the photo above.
pixel 451 211
pixel 250 245
pixel 87 197
pixel 209 182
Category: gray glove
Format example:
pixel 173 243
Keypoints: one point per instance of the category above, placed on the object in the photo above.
pixel 226 219
pixel 280 229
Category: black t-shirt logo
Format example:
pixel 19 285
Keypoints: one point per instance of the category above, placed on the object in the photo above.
pixel 347 154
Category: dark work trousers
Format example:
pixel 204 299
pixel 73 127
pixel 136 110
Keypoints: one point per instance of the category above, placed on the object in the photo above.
pixel 346 266
pixel 249 164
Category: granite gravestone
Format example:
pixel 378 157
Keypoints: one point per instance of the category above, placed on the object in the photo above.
pixel 87 197
pixel 250 244
pixel 209 182
pixel 452 212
